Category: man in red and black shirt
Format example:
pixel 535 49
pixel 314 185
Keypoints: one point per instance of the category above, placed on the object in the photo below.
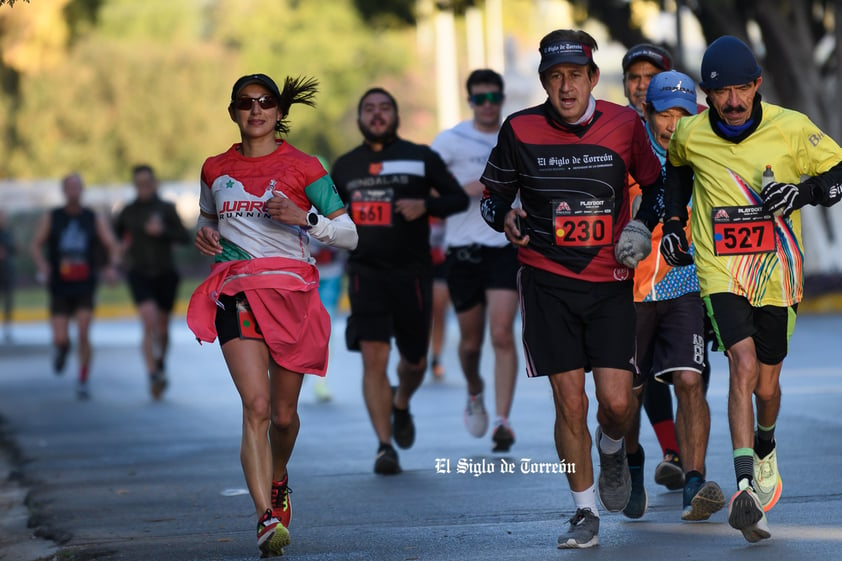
pixel 569 159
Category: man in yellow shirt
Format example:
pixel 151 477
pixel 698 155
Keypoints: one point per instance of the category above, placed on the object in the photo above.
pixel 749 254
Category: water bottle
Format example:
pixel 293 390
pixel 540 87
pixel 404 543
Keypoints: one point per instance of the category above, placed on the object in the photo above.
pixel 768 176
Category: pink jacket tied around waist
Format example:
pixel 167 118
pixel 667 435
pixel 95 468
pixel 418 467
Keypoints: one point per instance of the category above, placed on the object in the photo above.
pixel 284 298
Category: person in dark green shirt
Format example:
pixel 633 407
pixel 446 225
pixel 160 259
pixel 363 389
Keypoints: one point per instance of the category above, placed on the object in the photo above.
pixel 148 227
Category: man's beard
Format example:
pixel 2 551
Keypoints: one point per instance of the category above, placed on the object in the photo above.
pixel 389 134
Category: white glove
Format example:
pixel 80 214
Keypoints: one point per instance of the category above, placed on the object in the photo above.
pixel 634 245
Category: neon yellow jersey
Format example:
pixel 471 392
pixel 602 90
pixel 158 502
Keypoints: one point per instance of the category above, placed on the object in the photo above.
pixel 728 175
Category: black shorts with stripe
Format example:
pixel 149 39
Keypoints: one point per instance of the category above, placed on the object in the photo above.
pixel 570 324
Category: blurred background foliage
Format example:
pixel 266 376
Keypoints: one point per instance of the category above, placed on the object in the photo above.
pixel 97 85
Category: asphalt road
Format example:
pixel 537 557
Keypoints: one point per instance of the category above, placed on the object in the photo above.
pixel 120 477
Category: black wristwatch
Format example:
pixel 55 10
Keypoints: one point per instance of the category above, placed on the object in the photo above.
pixel 312 218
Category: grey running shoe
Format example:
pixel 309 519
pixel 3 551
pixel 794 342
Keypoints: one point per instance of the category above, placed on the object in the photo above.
pixel 476 418
pixel 386 462
pixel 669 472
pixel 638 500
pixel 701 499
pixel 745 513
pixel 403 429
pixel 583 531
pixel 614 477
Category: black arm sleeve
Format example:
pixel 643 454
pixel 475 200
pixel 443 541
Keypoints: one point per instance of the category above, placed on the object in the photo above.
pixel 826 189
pixel 651 203
pixel 678 188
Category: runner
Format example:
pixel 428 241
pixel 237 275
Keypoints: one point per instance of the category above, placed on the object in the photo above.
pixel 261 299
pixel 8 249
pixel 670 327
pixel 482 264
pixel 749 253
pixel 73 236
pixel 148 227
pixel 641 64
pixel 569 159
pixel 392 186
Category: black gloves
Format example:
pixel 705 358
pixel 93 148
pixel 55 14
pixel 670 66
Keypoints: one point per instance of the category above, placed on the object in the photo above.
pixel 783 198
pixel 674 246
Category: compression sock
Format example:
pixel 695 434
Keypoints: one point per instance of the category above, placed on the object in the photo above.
pixel 764 441
pixel 665 431
pixel 744 465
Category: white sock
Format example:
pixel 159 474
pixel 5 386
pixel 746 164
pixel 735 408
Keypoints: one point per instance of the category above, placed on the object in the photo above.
pixel 608 445
pixel 585 499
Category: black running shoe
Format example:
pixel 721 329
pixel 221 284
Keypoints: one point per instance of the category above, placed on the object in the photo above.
pixel 60 359
pixel 403 429
pixel 503 438
pixel 386 462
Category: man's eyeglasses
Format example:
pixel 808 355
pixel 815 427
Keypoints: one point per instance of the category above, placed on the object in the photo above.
pixel 495 98
pixel 265 102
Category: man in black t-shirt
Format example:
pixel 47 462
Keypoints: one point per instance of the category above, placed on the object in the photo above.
pixel 148 228
pixel 391 186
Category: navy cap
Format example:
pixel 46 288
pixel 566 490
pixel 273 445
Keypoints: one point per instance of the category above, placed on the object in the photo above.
pixel 572 52
pixel 648 52
pixel 672 89
pixel 261 79
pixel 728 62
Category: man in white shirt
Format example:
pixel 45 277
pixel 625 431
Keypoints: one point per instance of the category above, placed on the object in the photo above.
pixel 482 265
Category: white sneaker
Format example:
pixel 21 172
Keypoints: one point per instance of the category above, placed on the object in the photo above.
pixel 476 418
pixel 767 480
pixel 745 513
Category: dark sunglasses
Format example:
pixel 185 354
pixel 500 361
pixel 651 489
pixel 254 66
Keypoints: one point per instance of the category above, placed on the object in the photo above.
pixel 265 102
pixel 495 98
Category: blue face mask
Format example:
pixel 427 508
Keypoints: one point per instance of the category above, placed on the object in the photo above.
pixel 733 131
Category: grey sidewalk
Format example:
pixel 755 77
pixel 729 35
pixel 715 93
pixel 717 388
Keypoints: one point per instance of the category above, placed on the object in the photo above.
pixel 122 478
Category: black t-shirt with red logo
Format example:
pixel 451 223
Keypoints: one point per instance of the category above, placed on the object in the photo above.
pixel 573 183
pixel 370 182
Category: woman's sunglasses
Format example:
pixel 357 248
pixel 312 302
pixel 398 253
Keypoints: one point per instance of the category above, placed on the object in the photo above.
pixel 265 102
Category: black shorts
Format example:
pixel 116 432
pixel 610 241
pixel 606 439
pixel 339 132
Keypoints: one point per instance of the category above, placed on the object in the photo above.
pixel 235 320
pixel 473 269
pixel 67 304
pixel 570 324
pixel 160 288
pixel 386 304
pixel 670 336
pixel 734 319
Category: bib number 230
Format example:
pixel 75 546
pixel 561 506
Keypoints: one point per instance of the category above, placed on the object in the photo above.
pixel 582 223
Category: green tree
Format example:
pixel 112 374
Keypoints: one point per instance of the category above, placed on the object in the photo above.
pixel 149 81
pixel 787 37
pixel 326 39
